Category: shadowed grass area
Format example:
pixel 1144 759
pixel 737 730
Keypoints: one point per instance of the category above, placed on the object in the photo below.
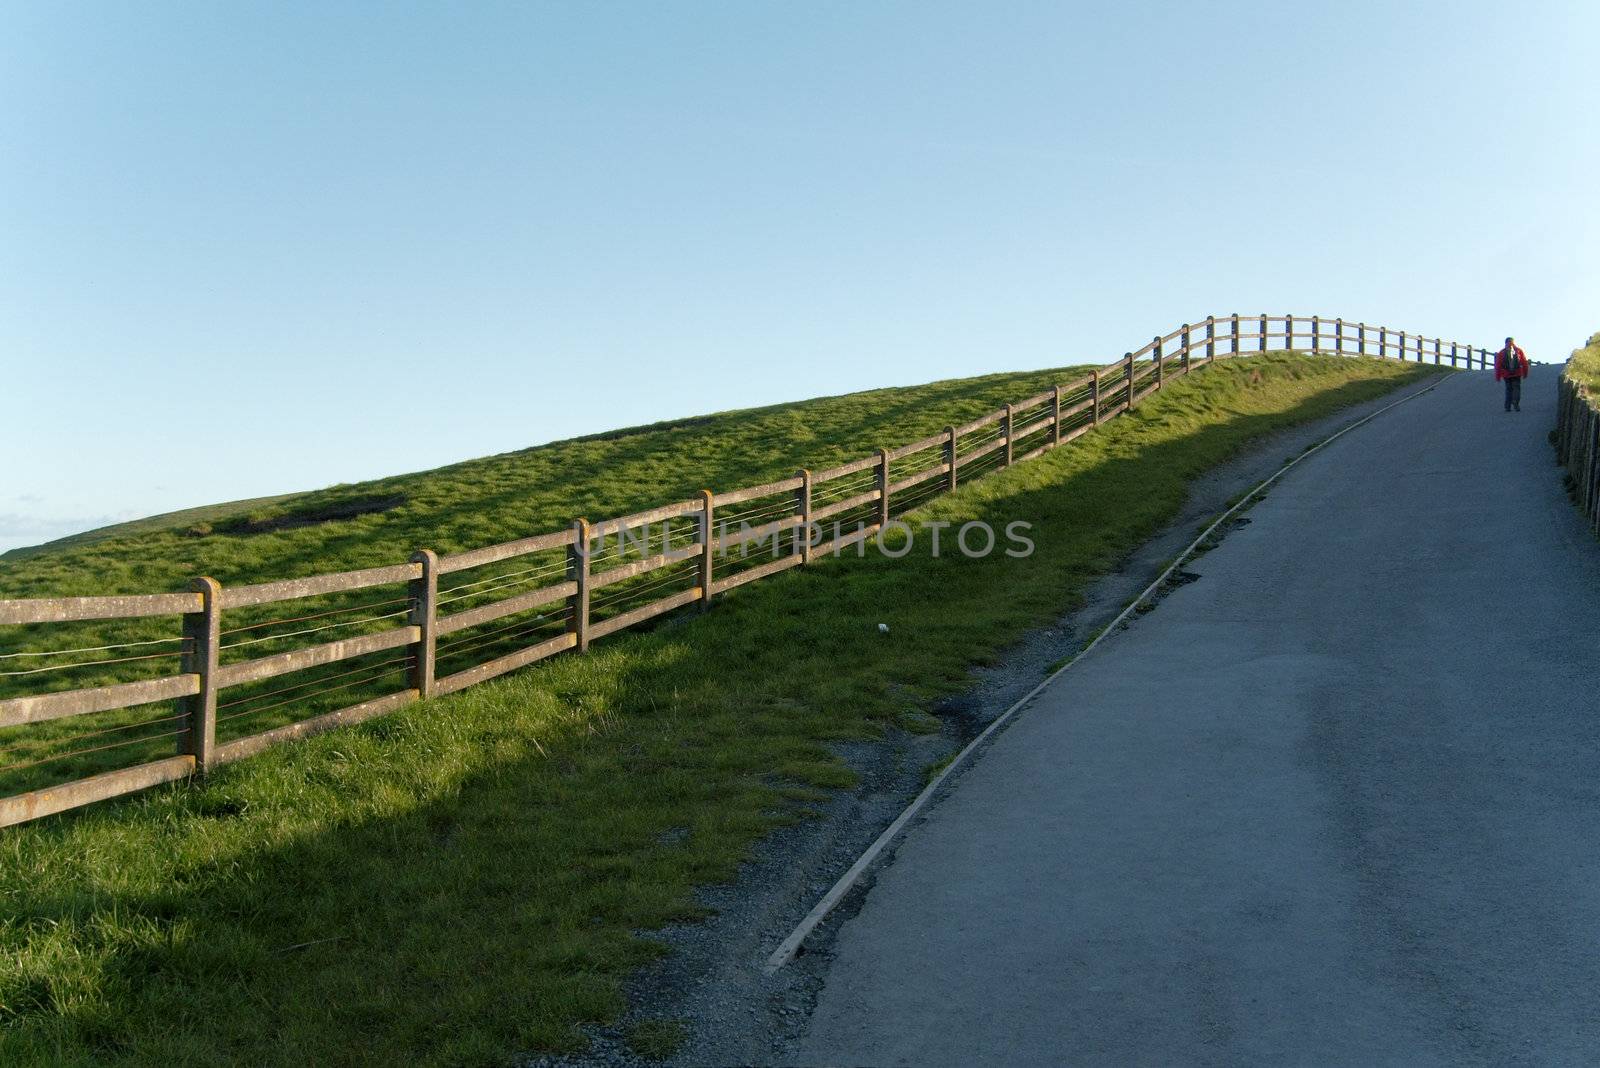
pixel 461 881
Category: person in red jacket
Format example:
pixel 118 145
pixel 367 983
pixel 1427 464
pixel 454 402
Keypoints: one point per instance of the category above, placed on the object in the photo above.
pixel 1511 367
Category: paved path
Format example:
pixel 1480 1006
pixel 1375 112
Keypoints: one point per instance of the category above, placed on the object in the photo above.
pixel 1337 802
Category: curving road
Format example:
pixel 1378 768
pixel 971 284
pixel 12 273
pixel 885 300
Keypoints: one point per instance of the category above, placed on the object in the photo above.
pixel 1338 801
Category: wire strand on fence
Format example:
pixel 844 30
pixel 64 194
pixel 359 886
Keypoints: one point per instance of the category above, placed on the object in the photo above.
pixel 623 593
pixel 314 630
pixel 548 567
pixel 92 749
pixel 307 697
pixel 755 519
pixel 503 635
pixel 35 743
pixel 467 637
pixel 91 648
pixel 310 682
pixel 554 624
pixel 90 663
pixel 533 580
pixel 317 615
pixel 835 489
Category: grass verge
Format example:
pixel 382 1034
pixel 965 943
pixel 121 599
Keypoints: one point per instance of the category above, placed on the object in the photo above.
pixel 1584 366
pixel 464 879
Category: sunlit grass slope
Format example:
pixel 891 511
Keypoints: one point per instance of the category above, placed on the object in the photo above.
pixel 1584 367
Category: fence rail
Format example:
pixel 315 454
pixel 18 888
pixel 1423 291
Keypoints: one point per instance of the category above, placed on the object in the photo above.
pixel 1578 445
pixel 587 580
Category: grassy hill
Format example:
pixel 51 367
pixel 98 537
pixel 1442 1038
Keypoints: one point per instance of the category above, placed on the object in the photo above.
pixel 1584 367
pixel 500 498
pixel 464 880
pixel 186 517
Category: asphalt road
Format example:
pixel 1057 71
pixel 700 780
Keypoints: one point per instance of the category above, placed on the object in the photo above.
pixel 1336 802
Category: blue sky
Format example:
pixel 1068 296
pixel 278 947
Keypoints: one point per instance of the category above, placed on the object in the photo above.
pixel 250 249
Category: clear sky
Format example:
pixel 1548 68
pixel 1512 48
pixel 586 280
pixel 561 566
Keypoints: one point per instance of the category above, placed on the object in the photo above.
pixel 250 249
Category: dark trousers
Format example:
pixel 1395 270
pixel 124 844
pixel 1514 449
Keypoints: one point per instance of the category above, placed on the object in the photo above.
pixel 1514 394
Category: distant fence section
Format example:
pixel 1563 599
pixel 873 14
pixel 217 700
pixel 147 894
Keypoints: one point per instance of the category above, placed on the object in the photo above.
pixel 1578 445
pixel 590 580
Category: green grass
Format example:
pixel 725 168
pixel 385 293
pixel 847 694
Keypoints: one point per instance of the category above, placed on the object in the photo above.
pixel 657 1039
pixel 463 880
pixel 463 506
pixel 1584 366
pixel 188 517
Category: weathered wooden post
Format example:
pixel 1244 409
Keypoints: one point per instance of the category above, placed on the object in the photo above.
pixel 1361 339
pixel 1235 349
pixel 202 633
pixel 1156 355
pixel 424 592
pixel 1211 338
pixel 1338 335
pixel 1454 351
pixel 1094 394
pixel 1263 332
pixel 708 543
pixel 1438 351
pixel 578 575
pixel 1055 416
pixel 1005 435
pixel 1401 347
pixel 883 482
pixel 1128 403
pixel 1288 333
pixel 1186 342
pixel 1316 334
pixel 950 455
pixel 802 507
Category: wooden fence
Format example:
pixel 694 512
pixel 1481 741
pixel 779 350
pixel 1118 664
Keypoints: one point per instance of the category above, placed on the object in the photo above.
pixel 801 519
pixel 1578 445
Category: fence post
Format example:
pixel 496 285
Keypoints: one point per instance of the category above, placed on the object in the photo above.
pixel 578 574
pixel 1263 332
pixel 1005 435
pixel 883 479
pixel 1419 348
pixel 1157 356
pixel 708 541
pixel 1211 338
pixel 950 455
pixel 1361 339
pixel 1055 416
pixel 1235 318
pixel 1288 333
pixel 1401 346
pixel 424 593
pixel 1129 401
pixel 1186 343
pixel 1453 349
pixel 202 632
pixel 1094 387
pixel 802 505
pixel 1316 334
pixel 1383 342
